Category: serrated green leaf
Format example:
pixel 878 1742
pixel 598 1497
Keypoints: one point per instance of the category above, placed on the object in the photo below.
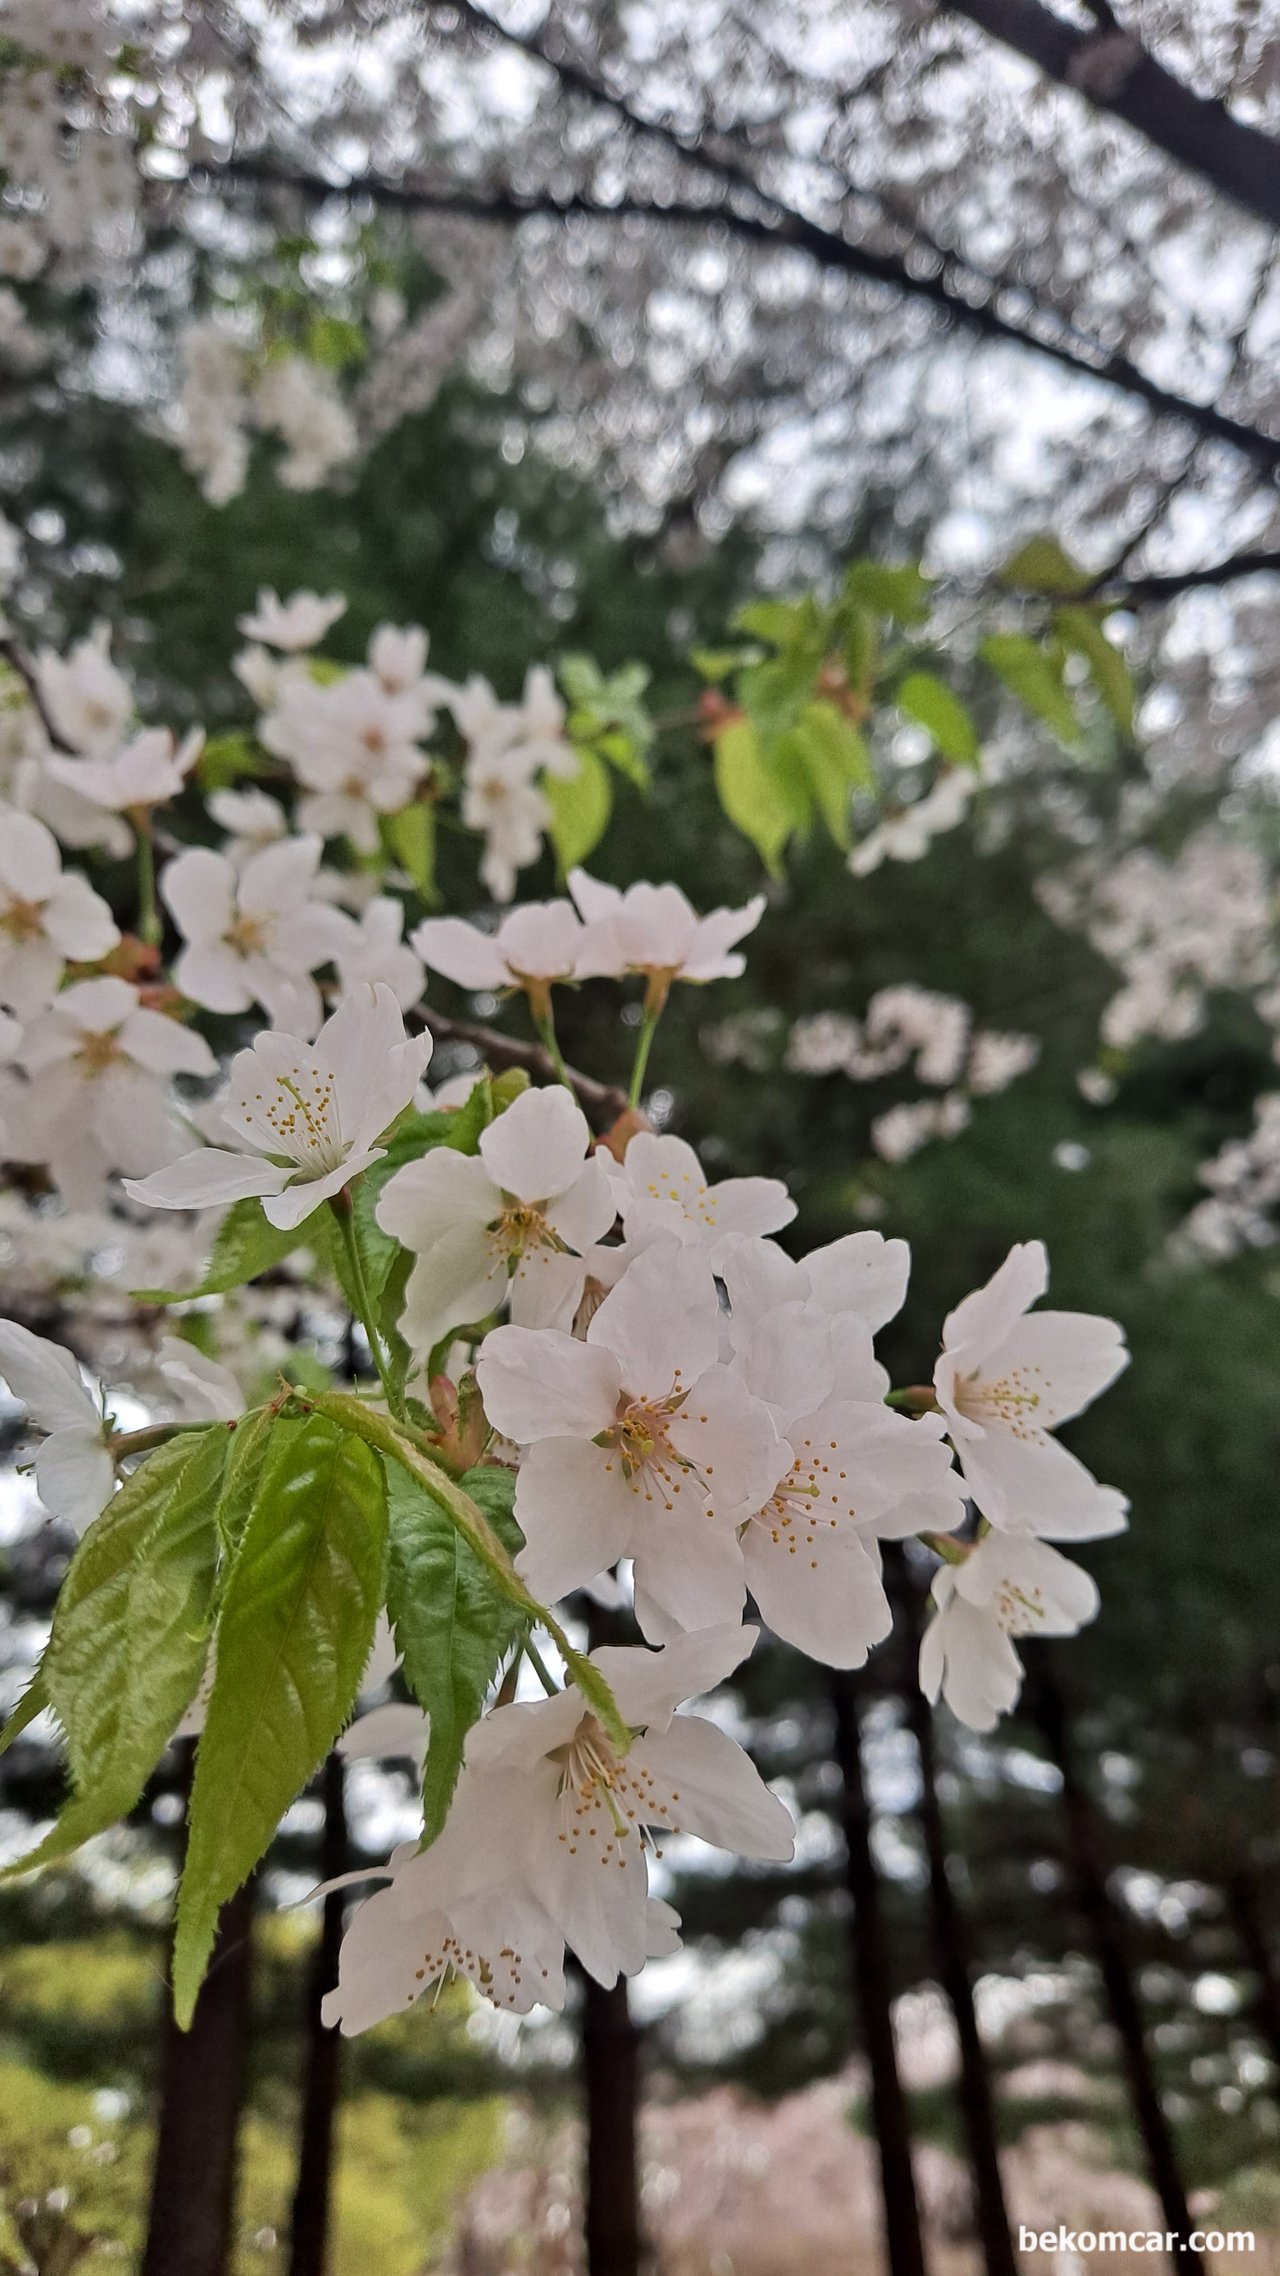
pixel 580 808
pixel 452 1625
pixel 130 1634
pixel 899 590
pixel 935 707
pixel 717 663
pixel 250 1445
pixel 245 1246
pixel 33 1702
pixel 1030 674
pixel 1042 565
pixel 411 838
pixel 750 793
pixel 297 1622
pixel 1082 631
pixel 861 647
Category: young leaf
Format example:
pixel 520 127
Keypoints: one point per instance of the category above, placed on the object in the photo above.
pixel 900 591
pixel 131 1633
pixel 926 699
pixel 244 1247
pixel 1043 566
pixel 1111 676
pixel 297 1622
pixel 250 1444
pixel 33 1702
pixel 580 808
pixel 750 793
pixel 834 760
pixel 1030 674
pixel 452 1624
pixel 411 836
pixel 226 759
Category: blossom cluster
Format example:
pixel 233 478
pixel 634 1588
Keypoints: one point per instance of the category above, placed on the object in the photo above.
pixel 932 1034
pixel 692 1418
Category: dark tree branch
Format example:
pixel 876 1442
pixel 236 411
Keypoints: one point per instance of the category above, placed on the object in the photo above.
pixel 1141 590
pixel 21 664
pixel 1074 352
pixel 600 1102
pixel 1109 68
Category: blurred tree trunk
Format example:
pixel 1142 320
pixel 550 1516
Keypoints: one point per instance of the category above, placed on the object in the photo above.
pixel 869 1954
pixel 322 2050
pixel 610 2077
pixel 190 2224
pixel 611 2096
pixel 1245 1906
pixel 952 1944
pixel 1086 1845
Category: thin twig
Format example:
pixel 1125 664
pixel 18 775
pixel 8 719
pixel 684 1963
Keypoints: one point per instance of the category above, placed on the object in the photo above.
pixel 601 1101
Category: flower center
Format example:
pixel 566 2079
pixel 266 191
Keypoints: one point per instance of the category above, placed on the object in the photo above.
pixel 522 1226
pixel 300 1115
pixel 803 1503
pixel 1007 1401
pixel 640 1442
pixel 22 920
pixel 1019 1610
pixel 99 1049
pixel 606 1801
pixel 248 935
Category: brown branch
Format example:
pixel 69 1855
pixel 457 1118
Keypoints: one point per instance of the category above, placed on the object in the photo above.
pixel 602 1102
pixel 1110 69
pixel 22 666
pixel 1168 587
pixel 1086 359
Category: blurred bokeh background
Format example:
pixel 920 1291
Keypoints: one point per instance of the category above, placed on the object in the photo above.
pixel 688 304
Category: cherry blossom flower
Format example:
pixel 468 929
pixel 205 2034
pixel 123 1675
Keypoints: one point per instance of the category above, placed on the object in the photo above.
pixel 569 1816
pixel 254 819
pixel 353 747
pixel 294 624
pixel 535 947
pixel 638 1442
pixel 75 1476
pixel 88 701
pixel 201 1388
pixel 500 800
pixel 253 934
pixel 518 1217
pixel 652 929
pixel 660 1188
pixel 97 1099
pixel 852 1474
pixel 46 916
pixel 861 1273
pixel 149 771
pixel 1005 1379
pixel 372 950
pixel 908 835
pixel 1008 1586
pixel 306 1116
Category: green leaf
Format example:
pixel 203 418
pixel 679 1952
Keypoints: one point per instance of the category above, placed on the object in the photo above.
pixel 452 1624
pixel 717 663
pixel 130 1634
pixel 1033 677
pixel 580 808
pixel 750 793
pixel 1043 566
pixel 334 341
pixel 784 624
pixel 861 647
pixel 411 838
pixel 926 699
pixel 33 1702
pixel 250 1444
pixel 227 759
pixel 378 1430
pixel 834 760
pixel 1082 631
pixel 620 751
pixel 296 1626
pixel 900 590
pixel 245 1247
pixel 776 692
